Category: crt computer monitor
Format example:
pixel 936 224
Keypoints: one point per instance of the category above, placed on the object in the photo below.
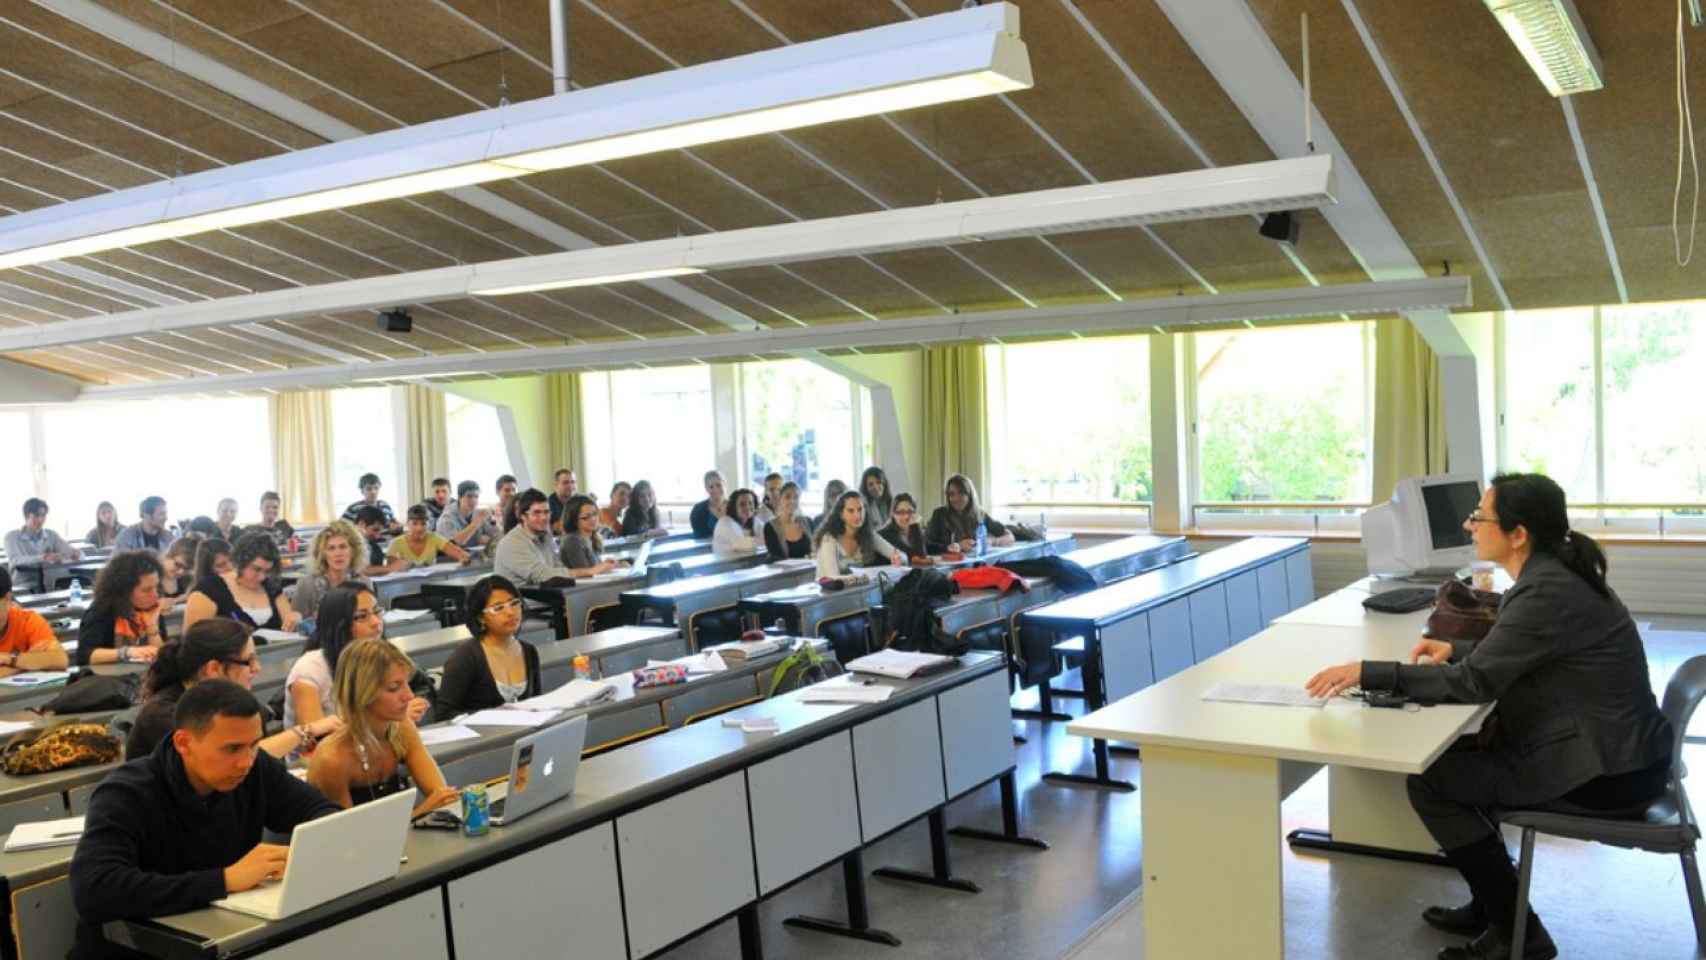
pixel 1419 532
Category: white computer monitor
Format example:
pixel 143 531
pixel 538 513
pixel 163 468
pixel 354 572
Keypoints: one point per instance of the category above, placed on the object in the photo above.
pixel 1419 532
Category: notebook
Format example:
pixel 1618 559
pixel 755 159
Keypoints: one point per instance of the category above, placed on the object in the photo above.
pixel 45 833
pixel 899 664
pixel 575 693
pixel 1275 694
pixel 846 689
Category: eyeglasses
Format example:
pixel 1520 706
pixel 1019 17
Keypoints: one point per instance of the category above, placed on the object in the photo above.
pixel 1479 517
pixel 906 512
pixel 505 607
pixel 253 662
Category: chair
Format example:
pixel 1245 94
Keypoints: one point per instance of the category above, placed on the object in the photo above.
pixel 1666 826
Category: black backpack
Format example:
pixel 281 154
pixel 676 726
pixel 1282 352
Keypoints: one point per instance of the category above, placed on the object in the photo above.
pixel 1034 660
pixel 91 692
pixel 909 604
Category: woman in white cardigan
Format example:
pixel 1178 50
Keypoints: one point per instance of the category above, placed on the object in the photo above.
pixel 735 535
pixel 846 540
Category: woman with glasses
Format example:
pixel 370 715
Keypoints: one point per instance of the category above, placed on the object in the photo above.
pixel 903 529
pixel 1575 722
pixel 348 614
pixel 249 594
pixel 493 667
pixel 788 536
pixel 210 650
pixel 582 547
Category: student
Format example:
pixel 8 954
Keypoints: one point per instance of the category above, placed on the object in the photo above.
pixel 562 488
pixel 369 484
pixel 249 594
pixel 1576 719
pixel 331 564
pixel 581 549
pixel 788 536
pixel 181 827
pixel 26 639
pixel 151 532
pixel 205 528
pixel 708 511
pixel 371 522
pixel 365 761
pixel 953 527
pixel 466 523
pixel 349 613
pixel 832 492
pixel 507 518
pixel 879 500
pixel 179 568
pixel 641 518
pixel 280 529
pixel 436 501
pixel 34 543
pixel 903 529
pixel 768 504
pixel 526 554
pixel 105 532
pixel 610 518
pixel 493 667
pixel 212 558
pixel 418 546
pixel 122 624
pixel 210 650
pixel 845 540
pixel 225 520
pixel 735 534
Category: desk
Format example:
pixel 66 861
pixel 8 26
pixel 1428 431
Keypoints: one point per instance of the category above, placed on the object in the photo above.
pixel 708 564
pixel 388 587
pixel 663 551
pixel 1214 775
pixel 1129 556
pixel 683 602
pixel 581 602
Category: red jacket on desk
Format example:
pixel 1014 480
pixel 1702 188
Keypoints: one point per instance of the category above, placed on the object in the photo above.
pixel 989 578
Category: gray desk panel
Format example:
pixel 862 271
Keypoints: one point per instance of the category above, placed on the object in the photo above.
pixel 1300 580
pixel 898 757
pixel 1274 592
pixel 686 861
pixel 804 810
pixel 49 806
pixel 1127 662
pixel 44 920
pixel 977 733
pixel 709 695
pixel 603 729
pixel 1243 607
pixel 412 928
pixel 1210 630
pixel 539 904
pixel 1170 638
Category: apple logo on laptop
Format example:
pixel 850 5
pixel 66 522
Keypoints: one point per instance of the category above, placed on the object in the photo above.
pixel 550 765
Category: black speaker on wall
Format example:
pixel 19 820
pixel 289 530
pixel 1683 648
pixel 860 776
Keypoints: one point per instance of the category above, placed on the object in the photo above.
pixel 396 321
pixel 1281 226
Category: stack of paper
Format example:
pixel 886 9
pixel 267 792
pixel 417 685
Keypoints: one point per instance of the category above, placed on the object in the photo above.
pixel 846 690
pixel 450 733
pixel 264 636
pixel 395 617
pixel 575 693
pixel 507 717
pixel 1282 695
pixel 753 724
pixel 45 833
pixel 746 651
pixel 707 662
pixel 899 664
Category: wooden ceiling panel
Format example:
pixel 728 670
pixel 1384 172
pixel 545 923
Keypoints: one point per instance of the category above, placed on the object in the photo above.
pixel 74 292
pixel 39 20
pixel 344 63
pixel 21 290
pixel 427 36
pixel 1126 260
pixel 199 353
pixel 944 276
pixel 1230 253
pixel 1325 254
pixel 538 327
pixel 474 325
pixel 623 211
pixel 679 182
pixel 554 313
pixel 862 285
pixel 228 255
pixel 806 189
pixel 545 206
pixel 55 361
pixel 1034 270
pixel 881 160
pixel 355 336
pixel 691 31
pixel 784 293
pixel 764 314
pixel 19 309
pixel 483 77
pixel 624 315
pixel 231 16
pixel 672 307
pixel 14 91
pixel 991 146
pixel 804 22
pixel 316 251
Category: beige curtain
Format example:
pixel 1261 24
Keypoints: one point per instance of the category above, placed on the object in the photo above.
pixel 302 454
pixel 956 429
pixel 428 453
pixel 566 434
pixel 1409 413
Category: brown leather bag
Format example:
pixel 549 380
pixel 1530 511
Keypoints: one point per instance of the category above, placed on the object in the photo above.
pixel 1462 613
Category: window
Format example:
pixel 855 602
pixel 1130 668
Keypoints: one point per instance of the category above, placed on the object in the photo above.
pixel 364 440
pixel 1089 399
pixel 16 481
pixel 1549 398
pixel 660 428
pixel 192 452
pixel 801 421
pixel 1285 414
pixel 476 440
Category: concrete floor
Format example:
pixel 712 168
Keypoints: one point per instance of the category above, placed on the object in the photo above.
pixel 1081 899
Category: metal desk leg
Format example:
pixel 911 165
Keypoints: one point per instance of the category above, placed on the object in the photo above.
pixel 858 925
pixel 1095 698
pixel 1009 821
pixel 751 940
pixel 1369 814
pixel 941 873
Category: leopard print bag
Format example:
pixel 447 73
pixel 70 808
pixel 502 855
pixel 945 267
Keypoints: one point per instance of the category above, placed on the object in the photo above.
pixel 59 747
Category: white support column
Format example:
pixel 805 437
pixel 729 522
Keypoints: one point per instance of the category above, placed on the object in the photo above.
pixel 1461 385
pixel 725 408
pixel 1169 432
pixel 885 419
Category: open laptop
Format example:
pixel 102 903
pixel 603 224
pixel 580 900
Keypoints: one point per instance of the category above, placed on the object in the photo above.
pixel 542 769
pixel 332 856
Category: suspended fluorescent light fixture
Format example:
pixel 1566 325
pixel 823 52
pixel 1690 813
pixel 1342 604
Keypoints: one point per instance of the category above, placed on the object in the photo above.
pixel 1550 36
pixel 940 59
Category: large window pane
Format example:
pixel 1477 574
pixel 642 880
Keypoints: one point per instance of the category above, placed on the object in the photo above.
pixel 16 483
pixel 365 441
pixel 1090 400
pixel 799 423
pixel 1283 414
pixel 662 429
pixel 1549 405
pixel 1655 438
pixel 476 441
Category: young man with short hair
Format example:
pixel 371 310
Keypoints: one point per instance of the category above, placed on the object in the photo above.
pixel 371 522
pixel 708 511
pixel 466 523
pixel 271 522
pixel 563 487
pixel 527 554
pixel 26 639
pixel 369 484
pixel 35 543
pixel 151 532
pixel 506 501
pixel 181 827
pixel 437 501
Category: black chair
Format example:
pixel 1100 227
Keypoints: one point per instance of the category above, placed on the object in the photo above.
pixel 1666 826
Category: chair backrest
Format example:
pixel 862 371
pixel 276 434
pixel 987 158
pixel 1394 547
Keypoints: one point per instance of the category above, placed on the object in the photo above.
pixel 1683 694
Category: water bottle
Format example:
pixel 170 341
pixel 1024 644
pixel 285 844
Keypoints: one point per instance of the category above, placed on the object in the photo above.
pixel 982 537
pixel 76 592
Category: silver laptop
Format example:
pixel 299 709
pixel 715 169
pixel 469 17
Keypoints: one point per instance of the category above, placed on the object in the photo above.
pixel 542 769
pixel 332 856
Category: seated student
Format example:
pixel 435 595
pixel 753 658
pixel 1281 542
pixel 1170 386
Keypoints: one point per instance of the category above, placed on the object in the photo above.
pixel 493 667
pixel 769 502
pixel 225 519
pixel 369 483
pixel 879 500
pixel 371 522
pixel 526 554
pixel 507 517
pixel 903 529
pixel 581 550
pixel 708 511
pixel 465 523
pixel 210 650
pixel 149 533
pixel 181 827
pixel 953 527
pixel 641 518
pixel 610 518
pixel 179 568
pixel 331 563
pixel 845 540
pixel 205 528
pixel 832 492
pixel 788 536
pixel 271 523
pixel 122 623
pixel 366 760
pixel 736 534
pixel 419 546
pixel 105 532
pixel 436 501
pixel 35 543
pixel 1576 719
pixel 212 558
pixel 248 594
pixel 348 614
pixel 562 488
pixel 26 639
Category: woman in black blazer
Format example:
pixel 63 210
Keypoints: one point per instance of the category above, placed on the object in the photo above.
pixel 493 667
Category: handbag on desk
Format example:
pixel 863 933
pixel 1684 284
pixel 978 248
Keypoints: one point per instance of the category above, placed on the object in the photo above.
pixel 1462 613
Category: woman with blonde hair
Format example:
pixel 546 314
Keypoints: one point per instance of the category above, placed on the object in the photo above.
pixel 379 750
pixel 332 561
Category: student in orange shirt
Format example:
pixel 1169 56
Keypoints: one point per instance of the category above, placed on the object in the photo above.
pixel 26 640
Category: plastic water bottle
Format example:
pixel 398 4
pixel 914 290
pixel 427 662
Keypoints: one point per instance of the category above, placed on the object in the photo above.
pixel 76 591
pixel 982 537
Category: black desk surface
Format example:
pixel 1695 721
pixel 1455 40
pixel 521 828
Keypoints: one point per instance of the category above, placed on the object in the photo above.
pixel 1118 601
pixel 665 595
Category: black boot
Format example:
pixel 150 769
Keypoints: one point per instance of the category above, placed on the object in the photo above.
pixel 1469 920
pixel 1495 943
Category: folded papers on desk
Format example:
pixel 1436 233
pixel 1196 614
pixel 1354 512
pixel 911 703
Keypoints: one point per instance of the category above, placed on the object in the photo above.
pixel 507 717
pixel 45 833
pixel 706 662
pixel 753 724
pixel 575 693
pixel 264 636
pixel 449 733
pixel 746 651
pixel 1275 694
pixel 899 664
pixel 845 689
pixel 394 617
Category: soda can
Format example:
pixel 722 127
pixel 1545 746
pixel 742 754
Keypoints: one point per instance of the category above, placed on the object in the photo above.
pixel 476 810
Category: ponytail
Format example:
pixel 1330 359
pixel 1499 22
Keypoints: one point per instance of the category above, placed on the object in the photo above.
pixel 1584 556
pixel 1535 502
pixel 166 671
pixel 207 641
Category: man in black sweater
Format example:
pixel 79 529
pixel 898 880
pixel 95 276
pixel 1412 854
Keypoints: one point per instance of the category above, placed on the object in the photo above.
pixel 176 829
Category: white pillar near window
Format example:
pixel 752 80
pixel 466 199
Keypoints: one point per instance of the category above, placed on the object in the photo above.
pixel 725 426
pixel 1172 425
pixel 890 452
pixel 1461 386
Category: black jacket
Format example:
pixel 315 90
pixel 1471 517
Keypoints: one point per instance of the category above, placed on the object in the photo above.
pixel 790 550
pixel 96 630
pixel 151 847
pixel 1569 672
pixel 912 546
pixel 703 520
pixel 946 526
pixel 467 684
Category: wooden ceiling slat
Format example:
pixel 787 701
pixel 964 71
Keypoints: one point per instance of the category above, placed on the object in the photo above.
pixel 1230 253
pixel 945 277
pixel 1127 261
pixel 58 363
pixel 701 194
pixel 1034 270
pixel 428 37
pixel 863 285
pixel 226 255
pixel 674 308
pixel 529 200
pixel 608 307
